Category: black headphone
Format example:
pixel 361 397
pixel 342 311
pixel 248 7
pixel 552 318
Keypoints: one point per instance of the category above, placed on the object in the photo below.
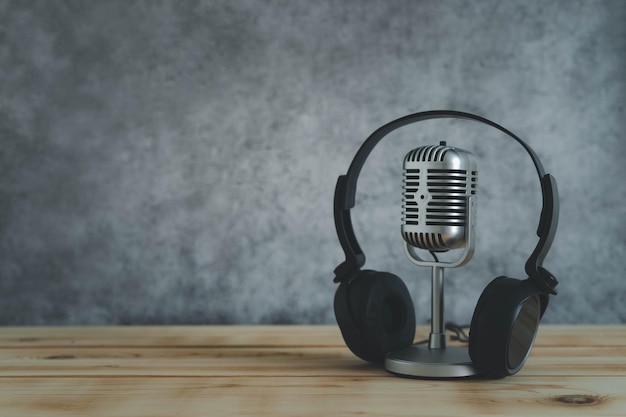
pixel 374 309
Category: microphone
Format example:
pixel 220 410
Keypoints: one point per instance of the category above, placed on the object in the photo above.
pixel 439 186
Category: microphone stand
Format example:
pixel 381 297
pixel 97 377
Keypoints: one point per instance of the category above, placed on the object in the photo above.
pixel 437 337
pixel 437 360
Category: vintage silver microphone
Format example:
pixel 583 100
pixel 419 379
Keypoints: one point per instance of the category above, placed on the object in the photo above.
pixel 438 215
pixel 438 183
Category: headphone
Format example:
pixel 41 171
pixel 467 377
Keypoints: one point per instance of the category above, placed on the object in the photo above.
pixel 375 312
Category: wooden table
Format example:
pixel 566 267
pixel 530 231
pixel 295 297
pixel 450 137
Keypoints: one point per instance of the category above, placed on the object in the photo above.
pixel 287 370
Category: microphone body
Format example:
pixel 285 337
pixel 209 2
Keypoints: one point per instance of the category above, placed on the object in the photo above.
pixel 438 183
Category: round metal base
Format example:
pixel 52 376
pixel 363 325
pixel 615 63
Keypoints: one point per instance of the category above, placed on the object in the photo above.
pixel 422 362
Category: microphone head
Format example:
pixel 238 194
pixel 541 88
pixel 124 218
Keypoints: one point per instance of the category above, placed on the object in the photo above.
pixel 438 181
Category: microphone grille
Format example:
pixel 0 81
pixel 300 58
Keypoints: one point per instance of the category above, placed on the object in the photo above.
pixel 433 241
pixel 438 180
pixel 430 153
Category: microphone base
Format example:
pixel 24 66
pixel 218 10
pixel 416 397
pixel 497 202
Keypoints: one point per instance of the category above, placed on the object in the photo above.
pixel 424 362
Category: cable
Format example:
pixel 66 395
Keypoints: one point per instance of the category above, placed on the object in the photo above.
pixel 458 333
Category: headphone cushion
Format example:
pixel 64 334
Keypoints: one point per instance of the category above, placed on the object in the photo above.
pixel 375 314
pixel 504 326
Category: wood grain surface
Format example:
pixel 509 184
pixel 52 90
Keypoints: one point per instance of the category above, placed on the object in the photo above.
pixel 288 371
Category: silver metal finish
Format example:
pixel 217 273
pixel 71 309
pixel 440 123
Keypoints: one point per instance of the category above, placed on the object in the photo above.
pixel 437 360
pixel 437 338
pixel 438 215
pixel 468 250
pixel 438 179
pixel 423 362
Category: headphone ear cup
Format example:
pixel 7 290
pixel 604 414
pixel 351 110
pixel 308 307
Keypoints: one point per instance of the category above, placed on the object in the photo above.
pixel 504 326
pixel 375 314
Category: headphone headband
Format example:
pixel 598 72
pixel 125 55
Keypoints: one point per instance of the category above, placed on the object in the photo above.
pixel 345 194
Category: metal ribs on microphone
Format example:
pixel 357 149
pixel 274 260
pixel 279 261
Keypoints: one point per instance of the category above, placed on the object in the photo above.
pixel 438 180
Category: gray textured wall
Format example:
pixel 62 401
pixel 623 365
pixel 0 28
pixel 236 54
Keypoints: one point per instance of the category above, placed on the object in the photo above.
pixel 174 162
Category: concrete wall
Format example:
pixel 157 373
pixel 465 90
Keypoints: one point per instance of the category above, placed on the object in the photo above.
pixel 175 162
